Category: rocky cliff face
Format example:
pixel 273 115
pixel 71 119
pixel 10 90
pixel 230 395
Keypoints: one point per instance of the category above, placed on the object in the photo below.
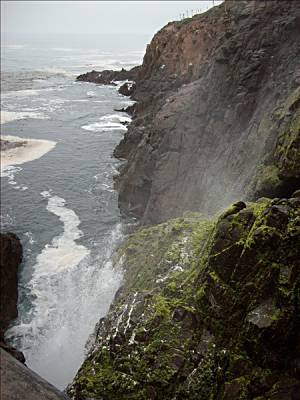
pixel 217 114
pixel 10 259
pixel 20 383
pixel 209 309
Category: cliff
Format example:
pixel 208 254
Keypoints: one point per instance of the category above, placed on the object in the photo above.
pixel 209 309
pixel 217 114
pixel 209 306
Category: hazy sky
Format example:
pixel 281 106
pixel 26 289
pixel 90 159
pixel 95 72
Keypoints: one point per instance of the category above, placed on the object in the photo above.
pixel 92 17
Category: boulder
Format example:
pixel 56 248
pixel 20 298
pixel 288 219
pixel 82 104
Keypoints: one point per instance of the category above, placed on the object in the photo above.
pixel 20 383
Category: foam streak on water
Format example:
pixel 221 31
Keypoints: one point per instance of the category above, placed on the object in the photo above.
pixel 108 123
pixel 71 290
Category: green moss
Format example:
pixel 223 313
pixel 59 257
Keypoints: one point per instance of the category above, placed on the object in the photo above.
pixel 267 179
pixel 283 161
pixel 186 334
pixel 161 307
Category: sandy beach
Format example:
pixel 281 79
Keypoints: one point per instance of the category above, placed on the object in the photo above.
pixel 16 150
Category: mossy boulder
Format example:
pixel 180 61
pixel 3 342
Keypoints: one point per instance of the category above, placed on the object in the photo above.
pixel 279 175
pixel 209 309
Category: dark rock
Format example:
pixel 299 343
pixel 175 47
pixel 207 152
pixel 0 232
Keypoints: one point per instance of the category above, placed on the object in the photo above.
pixel 277 215
pixel 20 383
pixel 224 326
pixel 7 145
pixel 127 89
pixel 208 125
pixel 129 110
pixel 107 77
pixel 10 259
pixel 296 194
pixel 235 208
pixel 11 350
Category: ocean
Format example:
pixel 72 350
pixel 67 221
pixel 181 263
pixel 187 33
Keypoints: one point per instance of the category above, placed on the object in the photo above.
pixel 63 205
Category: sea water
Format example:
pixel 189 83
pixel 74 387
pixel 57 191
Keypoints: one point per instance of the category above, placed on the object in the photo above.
pixel 63 205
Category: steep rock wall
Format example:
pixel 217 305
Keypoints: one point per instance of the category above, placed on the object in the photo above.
pixel 212 99
pixel 11 253
pixel 209 309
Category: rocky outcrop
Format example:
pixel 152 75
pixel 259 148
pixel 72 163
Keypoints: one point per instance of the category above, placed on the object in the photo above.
pixel 217 114
pixel 10 259
pixel 209 309
pixel 108 77
pixel 127 89
pixel 7 145
pixel 20 383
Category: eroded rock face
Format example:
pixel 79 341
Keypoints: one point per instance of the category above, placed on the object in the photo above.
pixel 10 259
pixel 209 309
pixel 217 113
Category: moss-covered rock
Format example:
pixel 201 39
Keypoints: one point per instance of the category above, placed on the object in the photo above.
pixel 209 309
pixel 279 175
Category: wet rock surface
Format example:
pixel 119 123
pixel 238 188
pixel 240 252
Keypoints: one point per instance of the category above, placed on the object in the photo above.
pixel 10 260
pixel 108 77
pixel 217 113
pixel 208 310
pixel 20 383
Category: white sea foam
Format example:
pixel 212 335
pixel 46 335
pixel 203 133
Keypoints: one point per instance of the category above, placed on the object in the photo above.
pixel 108 123
pixel 9 173
pixel 29 235
pixel 64 49
pixel 57 71
pixel 63 252
pixel 72 289
pixel 20 93
pixel 13 46
pixel 12 94
pixel 31 149
pixel 115 118
pixel 91 93
pixel 8 116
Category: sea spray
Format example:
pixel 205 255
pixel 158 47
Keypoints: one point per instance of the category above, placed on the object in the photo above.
pixel 71 289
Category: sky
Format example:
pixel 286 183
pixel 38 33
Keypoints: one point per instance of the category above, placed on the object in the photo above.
pixel 93 17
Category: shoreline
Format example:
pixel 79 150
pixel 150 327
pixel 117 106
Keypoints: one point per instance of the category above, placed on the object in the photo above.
pixel 18 150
